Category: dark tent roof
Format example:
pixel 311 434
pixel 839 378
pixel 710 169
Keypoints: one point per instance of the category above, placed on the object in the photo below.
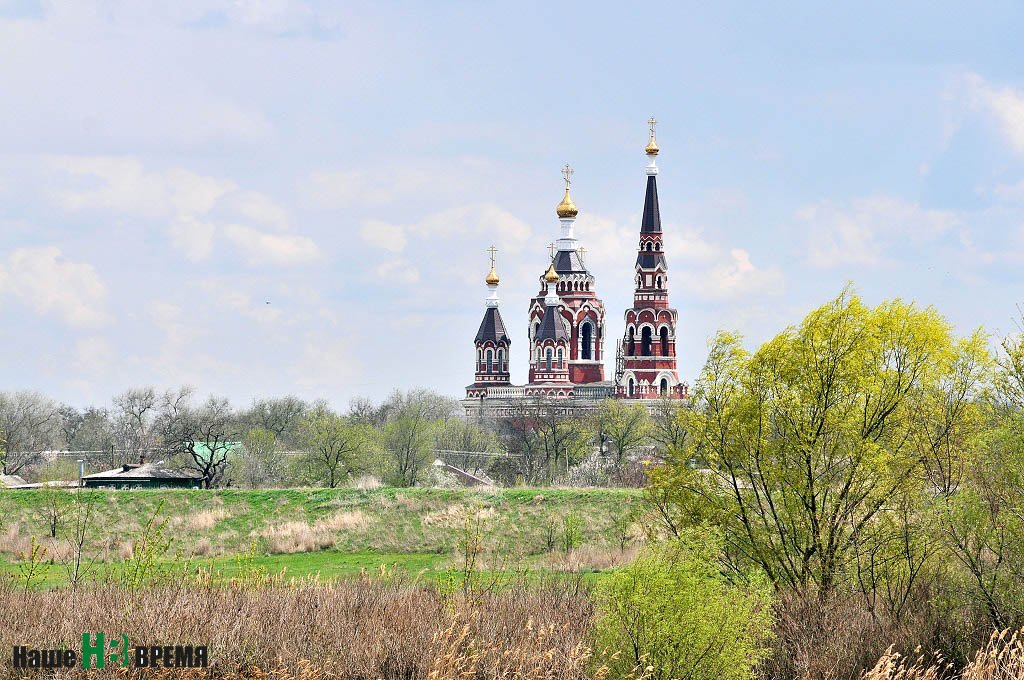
pixel 552 328
pixel 492 327
pixel 652 215
pixel 568 261
pixel 650 260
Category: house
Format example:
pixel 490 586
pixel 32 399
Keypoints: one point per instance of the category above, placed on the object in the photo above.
pixel 142 476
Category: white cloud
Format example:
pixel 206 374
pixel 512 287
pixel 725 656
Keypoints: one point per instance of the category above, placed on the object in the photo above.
pixel 193 237
pixel 864 231
pixel 278 249
pixel 730 278
pixel 498 225
pixel 1005 104
pixel 41 278
pixel 196 208
pixel 705 270
pixel 383 235
pixel 397 271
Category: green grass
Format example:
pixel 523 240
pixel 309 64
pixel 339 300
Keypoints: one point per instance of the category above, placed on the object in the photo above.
pixel 335 533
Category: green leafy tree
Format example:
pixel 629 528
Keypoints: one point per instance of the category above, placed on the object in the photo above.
pixel 672 612
pixel 623 427
pixel 336 449
pixel 803 446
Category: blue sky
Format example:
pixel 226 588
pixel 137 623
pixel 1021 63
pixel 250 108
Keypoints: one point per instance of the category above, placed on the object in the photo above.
pixel 276 197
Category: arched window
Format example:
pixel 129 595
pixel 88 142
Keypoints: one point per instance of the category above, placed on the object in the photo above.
pixel 639 281
pixel 559 357
pixel 549 358
pixel 629 388
pixel 490 362
pixel 538 357
pixel 648 246
pixel 586 335
pixel 657 247
pixel 659 283
pixel 631 342
pixel 664 341
pixel 501 361
pixel 664 385
pixel 479 358
pixel 536 329
pixel 645 341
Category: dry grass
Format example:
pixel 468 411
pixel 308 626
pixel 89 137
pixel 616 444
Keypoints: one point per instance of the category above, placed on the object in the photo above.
pixel 1002 658
pixel 366 629
pixel 295 537
pixel 204 520
pixel 299 537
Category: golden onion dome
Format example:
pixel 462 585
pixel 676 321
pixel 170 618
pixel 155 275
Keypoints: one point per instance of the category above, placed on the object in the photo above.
pixel 492 277
pixel 551 276
pixel 567 208
pixel 652 146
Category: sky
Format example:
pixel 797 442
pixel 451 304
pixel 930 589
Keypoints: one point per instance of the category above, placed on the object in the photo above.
pixel 270 197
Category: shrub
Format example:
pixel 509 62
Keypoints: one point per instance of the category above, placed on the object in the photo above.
pixel 673 612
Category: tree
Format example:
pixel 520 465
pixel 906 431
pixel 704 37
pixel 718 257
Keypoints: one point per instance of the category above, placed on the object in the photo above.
pixel 135 411
pixel 408 438
pixel 29 425
pixel 280 416
pixel 336 450
pixel 624 427
pixel 470 447
pixel 262 463
pixel 668 429
pixel 807 442
pixel 206 435
pixel 670 611
pixel 90 430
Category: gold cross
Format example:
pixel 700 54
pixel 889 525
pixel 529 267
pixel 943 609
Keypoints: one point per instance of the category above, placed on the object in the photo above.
pixel 652 123
pixel 567 174
pixel 583 252
pixel 492 250
pixel 551 249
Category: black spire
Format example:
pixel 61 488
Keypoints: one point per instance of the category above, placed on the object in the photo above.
pixel 551 328
pixel 652 216
pixel 492 327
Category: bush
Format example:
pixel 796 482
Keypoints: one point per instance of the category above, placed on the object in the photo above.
pixel 674 613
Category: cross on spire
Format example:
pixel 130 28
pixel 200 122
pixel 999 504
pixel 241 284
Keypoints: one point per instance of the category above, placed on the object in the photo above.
pixel 652 122
pixel 492 250
pixel 583 252
pixel 567 174
pixel 551 249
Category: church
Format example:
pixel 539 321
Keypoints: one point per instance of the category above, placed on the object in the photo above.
pixel 566 325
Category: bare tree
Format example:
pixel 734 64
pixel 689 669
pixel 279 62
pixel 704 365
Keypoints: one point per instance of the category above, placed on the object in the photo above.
pixel 135 411
pixel 281 416
pixel 205 435
pixel 29 425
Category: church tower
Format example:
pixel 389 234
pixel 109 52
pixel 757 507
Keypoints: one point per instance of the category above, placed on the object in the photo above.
pixel 580 311
pixel 492 342
pixel 646 368
pixel 549 363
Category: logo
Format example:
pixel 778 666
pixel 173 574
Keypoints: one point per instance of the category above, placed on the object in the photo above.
pixel 97 651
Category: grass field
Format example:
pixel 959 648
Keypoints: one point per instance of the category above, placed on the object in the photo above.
pixel 335 532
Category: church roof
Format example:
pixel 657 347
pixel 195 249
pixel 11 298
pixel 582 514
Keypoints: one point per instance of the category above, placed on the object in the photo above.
pixel 492 327
pixel 649 260
pixel 551 327
pixel 568 261
pixel 652 216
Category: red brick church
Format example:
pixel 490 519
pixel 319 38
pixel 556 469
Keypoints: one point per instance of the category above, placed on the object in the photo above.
pixel 566 323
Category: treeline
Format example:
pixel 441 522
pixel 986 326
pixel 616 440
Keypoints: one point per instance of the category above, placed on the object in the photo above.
pixel 286 441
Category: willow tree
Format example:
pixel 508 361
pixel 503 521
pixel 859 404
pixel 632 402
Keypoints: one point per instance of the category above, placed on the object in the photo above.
pixel 803 450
